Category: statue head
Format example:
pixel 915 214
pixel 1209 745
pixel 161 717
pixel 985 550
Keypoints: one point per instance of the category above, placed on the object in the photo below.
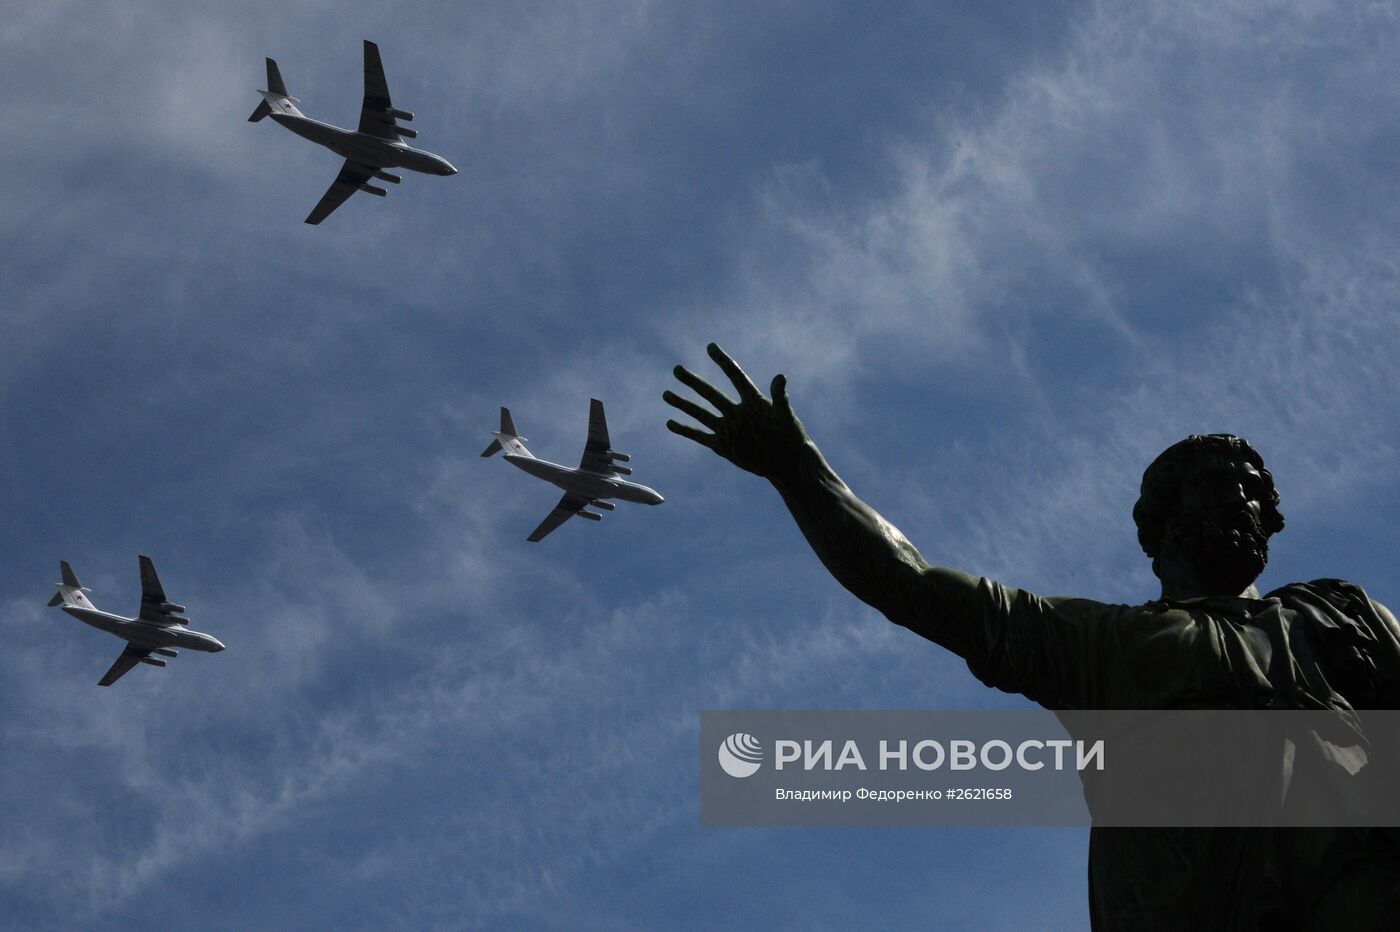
pixel 1207 509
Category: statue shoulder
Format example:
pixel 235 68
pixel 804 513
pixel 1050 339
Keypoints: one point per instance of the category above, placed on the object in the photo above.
pixel 1345 596
pixel 1360 634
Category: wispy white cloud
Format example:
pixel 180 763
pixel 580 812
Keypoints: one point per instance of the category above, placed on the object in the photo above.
pixel 1171 206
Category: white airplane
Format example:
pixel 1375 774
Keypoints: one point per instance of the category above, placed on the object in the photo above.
pixel 157 628
pixel 375 146
pixel 597 477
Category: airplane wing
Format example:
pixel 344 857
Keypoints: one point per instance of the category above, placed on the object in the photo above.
pixel 128 659
pixel 597 452
pixel 153 601
pixel 351 176
pixel 568 506
pixel 375 118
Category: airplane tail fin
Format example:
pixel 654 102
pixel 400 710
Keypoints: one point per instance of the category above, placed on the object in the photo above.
pixel 70 591
pixel 275 98
pixel 275 84
pixel 507 438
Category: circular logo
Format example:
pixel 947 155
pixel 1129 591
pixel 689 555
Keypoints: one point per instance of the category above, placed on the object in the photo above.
pixel 740 755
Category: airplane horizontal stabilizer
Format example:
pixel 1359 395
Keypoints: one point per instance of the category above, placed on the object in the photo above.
pixel 263 110
pixel 56 600
pixel 493 449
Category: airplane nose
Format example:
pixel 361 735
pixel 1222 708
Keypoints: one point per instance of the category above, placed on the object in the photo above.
pixel 218 645
pixel 447 169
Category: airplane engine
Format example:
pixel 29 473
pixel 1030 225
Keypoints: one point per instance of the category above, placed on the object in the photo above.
pixel 172 608
pixel 386 176
pixel 599 503
pixel 620 457
pixel 405 132
pixel 166 651
pixel 372 189
pixel 153 661
pixel 589 515
pixel 622 470
pixel 400 114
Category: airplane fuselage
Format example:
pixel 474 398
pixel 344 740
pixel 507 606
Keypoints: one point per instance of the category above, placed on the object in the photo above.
pixel 588 484
pixel 146 634
pixel 363 148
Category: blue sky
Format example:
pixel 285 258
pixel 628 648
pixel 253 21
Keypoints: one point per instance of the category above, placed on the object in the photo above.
pixel 1004 257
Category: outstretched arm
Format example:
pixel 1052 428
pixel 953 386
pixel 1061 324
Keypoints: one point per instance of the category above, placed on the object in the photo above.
pixel 866 554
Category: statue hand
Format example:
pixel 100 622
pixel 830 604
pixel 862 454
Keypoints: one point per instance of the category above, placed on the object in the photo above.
pixel 758 434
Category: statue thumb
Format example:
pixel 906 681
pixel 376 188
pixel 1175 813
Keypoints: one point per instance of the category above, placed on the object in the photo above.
pixel 779 392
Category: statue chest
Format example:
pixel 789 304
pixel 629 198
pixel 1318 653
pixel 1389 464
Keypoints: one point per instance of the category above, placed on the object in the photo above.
pixel 1265 656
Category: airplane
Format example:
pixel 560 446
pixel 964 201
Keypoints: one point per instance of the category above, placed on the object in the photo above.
pixel 375 146
pixel 156 629
pixel 597 477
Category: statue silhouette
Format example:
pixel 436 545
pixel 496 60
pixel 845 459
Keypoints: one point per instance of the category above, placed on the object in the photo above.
pixel 1210 641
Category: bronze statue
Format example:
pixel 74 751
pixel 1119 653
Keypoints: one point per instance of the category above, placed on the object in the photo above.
pixel 1207 509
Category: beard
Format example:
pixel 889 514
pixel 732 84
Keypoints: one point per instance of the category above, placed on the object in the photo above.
pixel 1228 550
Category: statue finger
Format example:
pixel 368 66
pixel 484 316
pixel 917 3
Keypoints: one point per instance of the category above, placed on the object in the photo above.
pixel 690 433
pixel 691 408
pixel 736 375
pixel 702 388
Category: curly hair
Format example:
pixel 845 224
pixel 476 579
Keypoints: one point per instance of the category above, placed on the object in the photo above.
pixel 1162 480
